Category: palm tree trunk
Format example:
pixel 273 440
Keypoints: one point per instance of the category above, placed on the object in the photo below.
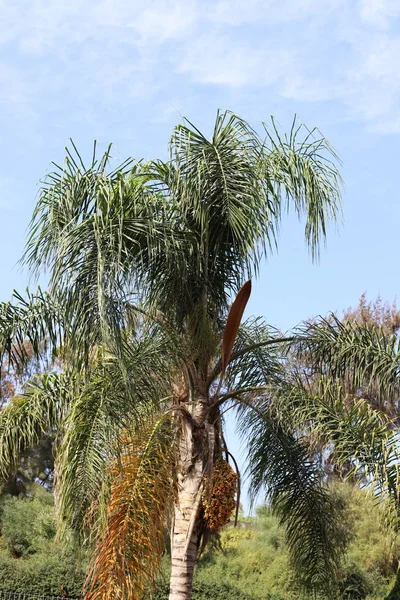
pixel 185 536
pixel 187 519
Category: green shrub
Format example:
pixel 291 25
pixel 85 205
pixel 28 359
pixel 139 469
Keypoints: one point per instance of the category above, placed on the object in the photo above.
pixel 28 524
pixel 394 593
pixel 354 586
pixel 41 573
pixel 30 559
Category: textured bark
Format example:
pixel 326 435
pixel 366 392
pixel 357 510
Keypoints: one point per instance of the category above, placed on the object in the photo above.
pixel 193 457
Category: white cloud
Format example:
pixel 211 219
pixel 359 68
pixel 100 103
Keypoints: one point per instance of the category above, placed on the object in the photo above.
pixel 374 86
pixel 379 12
pixel 213 59
pixel 339 51
pixel 238 12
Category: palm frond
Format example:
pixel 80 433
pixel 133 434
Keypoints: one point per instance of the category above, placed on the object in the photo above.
pixel 129 550
pixel 70 195
pixel 255 361
pixel 219 186
pixel 221 201
pixel 85 450
pixel 302 167
pixel 108 402
pixel 363 356
pixel 359 437
pixel 39 410
pixel 280 465
pixel 96 231
pixel 36 319
pixel 226 195
pixel 180 235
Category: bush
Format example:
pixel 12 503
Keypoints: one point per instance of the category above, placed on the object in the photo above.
pixel 41 573
pixel 28 524
pixel 250 562
pixel 354 586
pixel 30 560
pixel 395 591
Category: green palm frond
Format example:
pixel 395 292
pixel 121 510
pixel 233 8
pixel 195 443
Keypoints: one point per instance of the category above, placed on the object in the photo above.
pixel 280 465
pixel 220 189
pixel 301 166
pixel 96 231
pixel 357 436
pixel 39 410
pixel 108 401
pixel 70 195
pixel 256 360
pixel 364 356
pixel 90 429
pixel 225 196
pixel 130 547
pixel 180 235
pixel 36 319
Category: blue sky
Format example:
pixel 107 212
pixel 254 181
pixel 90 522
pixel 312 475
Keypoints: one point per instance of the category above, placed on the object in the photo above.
pixel 126 71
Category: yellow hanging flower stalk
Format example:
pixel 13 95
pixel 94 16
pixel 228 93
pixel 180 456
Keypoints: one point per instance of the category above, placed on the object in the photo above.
pixel 129 550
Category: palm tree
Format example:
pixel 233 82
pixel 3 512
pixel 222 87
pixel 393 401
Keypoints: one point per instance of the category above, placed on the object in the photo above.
pixel 143 263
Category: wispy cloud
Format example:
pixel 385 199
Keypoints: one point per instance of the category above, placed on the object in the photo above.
pixel 341 51
pixel 214 59
pixel 379 13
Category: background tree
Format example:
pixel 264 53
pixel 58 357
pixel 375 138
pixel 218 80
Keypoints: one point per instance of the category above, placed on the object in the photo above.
pixel 368 316
pixel 352 365
pixel 384 317
pixel 13 373
pixel 356 364
pixel 375 314
pixel 35 464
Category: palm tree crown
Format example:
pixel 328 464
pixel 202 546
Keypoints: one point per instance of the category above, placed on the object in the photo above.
pixel 143 262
